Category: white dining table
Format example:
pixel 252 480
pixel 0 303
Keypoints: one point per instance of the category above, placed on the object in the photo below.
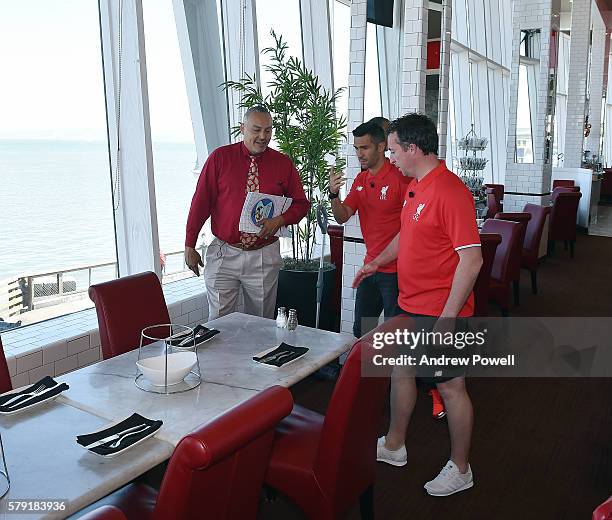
pixel 99 394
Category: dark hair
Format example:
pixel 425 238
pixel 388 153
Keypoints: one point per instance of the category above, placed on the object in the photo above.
pixel 376 133
pixel 416 129
pixel 383 122
pixel 256 108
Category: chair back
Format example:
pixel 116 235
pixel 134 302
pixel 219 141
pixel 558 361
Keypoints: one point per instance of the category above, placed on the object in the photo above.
pixel 218 470
pixel 493 205
pixel 126 306
pixel 498 191
pixel 533 235
pixel 603 511
pixel 565 183
pixel 563 216
pixel 5 377
pixel 523 220
pixel 345 465
pixel 504 255
pixel 563 189
pixel 488 243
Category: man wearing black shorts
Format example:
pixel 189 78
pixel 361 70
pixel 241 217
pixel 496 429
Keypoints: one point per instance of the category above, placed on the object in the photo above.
pixel 438 260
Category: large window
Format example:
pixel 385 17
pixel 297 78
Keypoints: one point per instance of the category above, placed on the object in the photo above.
pixel 174 153
pixel 341 28
pixel 57 217
pixel 372 106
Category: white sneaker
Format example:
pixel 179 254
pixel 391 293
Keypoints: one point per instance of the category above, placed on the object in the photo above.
pixel 450 480
pixel 397 457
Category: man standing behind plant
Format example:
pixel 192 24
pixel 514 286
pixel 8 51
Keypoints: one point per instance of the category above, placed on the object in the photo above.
pixel 235 259
pixel 378 195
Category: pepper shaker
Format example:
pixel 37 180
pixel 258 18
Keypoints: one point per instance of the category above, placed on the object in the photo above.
pixel 292 321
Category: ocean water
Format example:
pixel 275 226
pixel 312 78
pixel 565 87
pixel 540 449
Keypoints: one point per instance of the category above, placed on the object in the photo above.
pixel 56 208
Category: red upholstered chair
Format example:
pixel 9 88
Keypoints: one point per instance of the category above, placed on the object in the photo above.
pixel 499 287
pixel 531 244
pixel 563 183
pixel 606 184
pixel 489 243
pixel 493 206
pixel 498 191
pixel 603 511
pixel 5 377
pixel 515 269
pixel 563 220
pixel 104 513
pixel 325 463
pixel 217 471
pixel 126 306
pixel 563 189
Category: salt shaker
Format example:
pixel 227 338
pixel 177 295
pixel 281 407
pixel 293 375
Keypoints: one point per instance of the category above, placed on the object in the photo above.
pixel 292 321
pixel 281 318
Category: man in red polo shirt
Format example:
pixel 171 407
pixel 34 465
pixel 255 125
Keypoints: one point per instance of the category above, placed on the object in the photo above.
pixel 438 259
pixel 377 194
pixel 237 260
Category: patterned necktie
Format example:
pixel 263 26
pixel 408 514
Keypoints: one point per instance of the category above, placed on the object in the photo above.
pixel 248 239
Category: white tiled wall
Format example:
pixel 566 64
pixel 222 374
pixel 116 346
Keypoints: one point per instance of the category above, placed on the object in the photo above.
pixel 529 178
pixel 60 345
pixel 414 56
pixel 445 51
pixel 577 77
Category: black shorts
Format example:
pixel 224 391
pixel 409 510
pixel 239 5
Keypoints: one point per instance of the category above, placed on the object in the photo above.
pixel 430 373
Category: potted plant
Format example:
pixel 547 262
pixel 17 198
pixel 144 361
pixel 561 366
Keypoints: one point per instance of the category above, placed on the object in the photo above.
pixel 307 129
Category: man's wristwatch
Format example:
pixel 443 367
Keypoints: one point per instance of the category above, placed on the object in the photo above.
pixel 333 195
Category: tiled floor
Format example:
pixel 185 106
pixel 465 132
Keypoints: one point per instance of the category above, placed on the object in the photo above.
pixel 603 227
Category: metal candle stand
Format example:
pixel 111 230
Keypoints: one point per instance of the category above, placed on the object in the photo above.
pixel 471 167
pixel 155 341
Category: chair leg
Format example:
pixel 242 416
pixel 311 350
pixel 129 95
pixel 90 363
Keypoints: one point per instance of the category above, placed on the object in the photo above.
pixel 516 292
pixel 534 282
pixel 572 243
pixel 366 504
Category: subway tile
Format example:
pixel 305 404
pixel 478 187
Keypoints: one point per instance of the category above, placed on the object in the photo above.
pixel 88 357
pixel 54 351
pixel 29 361
pixel 37 374
pixel 77 345
pixel 66 365
pixel 12 365
pixel 20 380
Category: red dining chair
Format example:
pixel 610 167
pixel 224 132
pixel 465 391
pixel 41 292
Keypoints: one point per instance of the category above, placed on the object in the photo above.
pixel 498 191
pixel 515 269
pixel 563 189
pixel 104 513
pixel 563 221
pixel 126 306
pixel 603 511
pixel 324 464
pixel 565 183
pixel 5 377
pixel 531 244
pixel 217 471
pixel 493 205
pixel 499 287
pixel 488 246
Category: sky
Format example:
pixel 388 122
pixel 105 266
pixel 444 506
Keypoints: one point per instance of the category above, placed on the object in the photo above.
pixel 51 67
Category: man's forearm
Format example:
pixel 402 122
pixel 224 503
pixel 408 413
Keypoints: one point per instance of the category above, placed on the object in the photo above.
pixel 389 253
pixel 463 283
pixel 341 211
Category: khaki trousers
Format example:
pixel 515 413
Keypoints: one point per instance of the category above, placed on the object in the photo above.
pixel 228 269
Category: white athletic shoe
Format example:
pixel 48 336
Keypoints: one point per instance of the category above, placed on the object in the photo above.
pixel 397 457
pixel 450 480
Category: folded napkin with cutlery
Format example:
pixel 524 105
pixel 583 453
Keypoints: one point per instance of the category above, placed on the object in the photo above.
pixel 45 389
pixel 201 334
pixel 117 438
pixel 281 355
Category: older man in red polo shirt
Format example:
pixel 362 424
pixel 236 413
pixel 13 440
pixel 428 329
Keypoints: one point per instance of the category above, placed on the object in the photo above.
pixel 235 259
pixel 438 260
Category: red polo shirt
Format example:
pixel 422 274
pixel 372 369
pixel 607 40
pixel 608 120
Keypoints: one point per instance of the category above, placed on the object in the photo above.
pixel 378 199
pixel 221 190
pixel 437 221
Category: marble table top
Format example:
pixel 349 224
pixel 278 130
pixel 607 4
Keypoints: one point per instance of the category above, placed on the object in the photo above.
pixel 60 469
pixel 45 462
